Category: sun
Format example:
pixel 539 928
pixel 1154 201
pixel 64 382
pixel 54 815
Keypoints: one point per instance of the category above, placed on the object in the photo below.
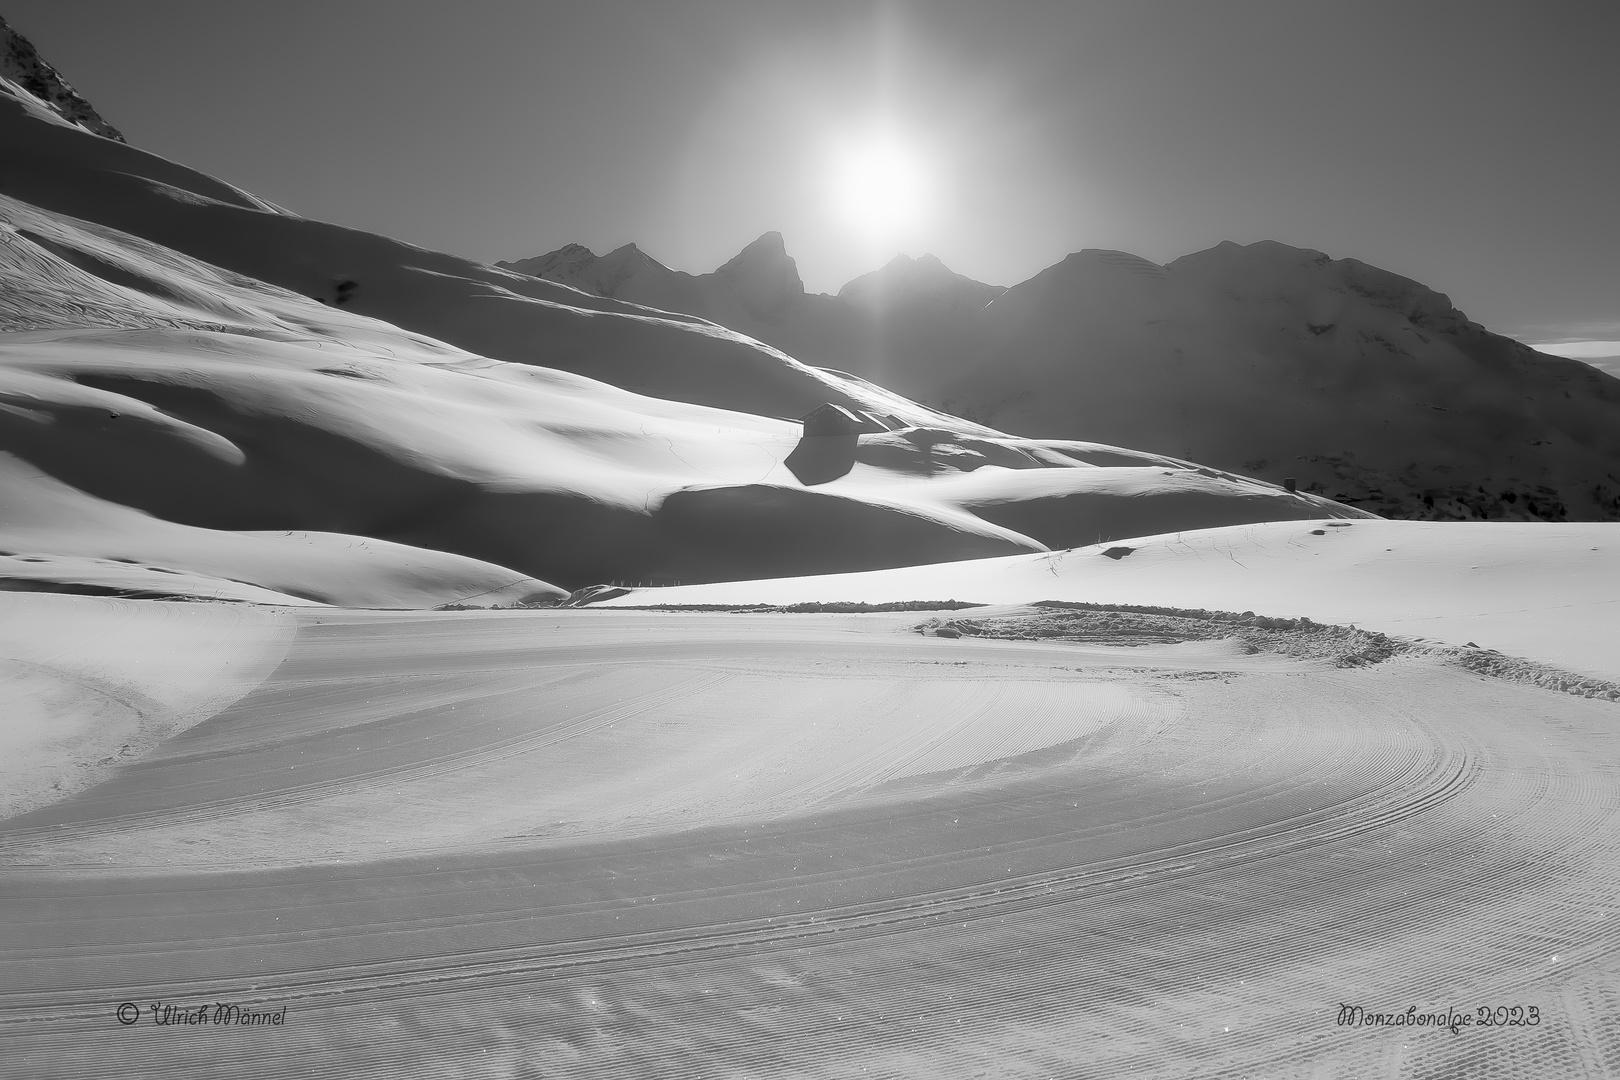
pixel 880 185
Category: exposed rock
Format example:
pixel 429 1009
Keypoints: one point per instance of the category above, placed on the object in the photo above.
pixel 21 64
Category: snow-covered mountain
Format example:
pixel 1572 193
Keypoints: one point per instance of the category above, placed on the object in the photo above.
pixel 925 283
pixel 21 64
pixel 909 308
pixel 760 288
pixel 1279 361
pixel 203 394
pixel 1267 360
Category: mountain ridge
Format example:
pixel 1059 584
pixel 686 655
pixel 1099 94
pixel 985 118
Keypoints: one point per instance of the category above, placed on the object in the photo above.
pixel 764 257
pixel 1263 359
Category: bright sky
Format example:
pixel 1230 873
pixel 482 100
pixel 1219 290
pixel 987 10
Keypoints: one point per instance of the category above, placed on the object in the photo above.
pixel 1466 144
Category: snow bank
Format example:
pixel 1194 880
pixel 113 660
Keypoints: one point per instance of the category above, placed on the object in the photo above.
pixel 1548 592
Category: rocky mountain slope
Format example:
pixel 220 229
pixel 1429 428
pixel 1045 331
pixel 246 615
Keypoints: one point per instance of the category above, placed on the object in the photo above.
pixel 21 64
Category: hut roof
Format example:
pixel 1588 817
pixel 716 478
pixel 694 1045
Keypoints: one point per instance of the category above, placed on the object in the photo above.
pixel 830 419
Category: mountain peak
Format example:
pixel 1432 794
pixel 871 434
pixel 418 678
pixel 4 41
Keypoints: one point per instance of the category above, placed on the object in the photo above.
pixel 1270 254
pixel 1114 260
pixel 1270 268
pixel 560 265
pixel 20 63
pixel 904 279
pixel 762 275
pixel 766 252
pixel 631 255
pixel 903 264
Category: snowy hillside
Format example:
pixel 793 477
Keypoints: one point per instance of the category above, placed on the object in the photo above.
pixel 1280 361
pixel 204 395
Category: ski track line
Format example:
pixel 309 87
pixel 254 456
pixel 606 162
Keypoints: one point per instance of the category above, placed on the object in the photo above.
pixel 1197 903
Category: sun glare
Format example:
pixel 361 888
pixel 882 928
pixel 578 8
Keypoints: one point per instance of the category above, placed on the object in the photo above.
pixel 880 186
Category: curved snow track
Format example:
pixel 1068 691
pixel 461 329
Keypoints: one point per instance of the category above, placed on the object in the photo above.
pixel 623 844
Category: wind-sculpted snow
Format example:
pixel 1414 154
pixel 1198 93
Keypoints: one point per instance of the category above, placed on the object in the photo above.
pixel 599 843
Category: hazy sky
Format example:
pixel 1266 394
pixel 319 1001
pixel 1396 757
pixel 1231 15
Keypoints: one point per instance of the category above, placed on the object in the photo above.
pixel 1470 145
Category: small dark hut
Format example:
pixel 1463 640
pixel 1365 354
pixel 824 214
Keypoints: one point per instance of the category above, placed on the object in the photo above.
pixel 827 449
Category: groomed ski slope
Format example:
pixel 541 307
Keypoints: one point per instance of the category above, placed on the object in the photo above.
pixel 603 843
